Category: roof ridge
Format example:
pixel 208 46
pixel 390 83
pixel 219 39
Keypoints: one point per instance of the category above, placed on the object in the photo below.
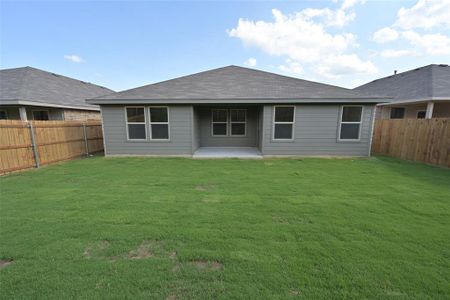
pixel 167 80
pixel 402 73
pixel 357 93
pixel 29 68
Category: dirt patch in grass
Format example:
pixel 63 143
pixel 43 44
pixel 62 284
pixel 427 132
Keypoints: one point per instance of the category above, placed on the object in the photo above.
pixel 96 249
pixel 294 292
pixel 205 187
pixel 205 265
pixel 143 251
pixel 291 220
pixel 209 199
pixel 176 268
pixel 171 297
pixel 5 262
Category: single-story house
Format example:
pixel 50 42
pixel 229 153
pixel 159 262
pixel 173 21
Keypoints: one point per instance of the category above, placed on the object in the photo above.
pixel 32 94
pixel 420 93
pixel 213 111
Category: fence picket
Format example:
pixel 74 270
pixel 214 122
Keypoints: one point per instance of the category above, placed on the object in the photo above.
pixel 54 141
pixel 423 140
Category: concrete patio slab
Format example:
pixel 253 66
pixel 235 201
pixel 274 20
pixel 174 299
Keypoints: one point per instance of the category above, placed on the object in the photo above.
pixel 228 152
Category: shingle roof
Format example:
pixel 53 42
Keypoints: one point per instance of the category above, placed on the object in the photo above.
pixel 233 83
pixel 34 85
pixel 425 83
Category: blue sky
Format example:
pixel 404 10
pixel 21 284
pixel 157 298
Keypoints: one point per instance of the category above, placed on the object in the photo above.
pixel 122 45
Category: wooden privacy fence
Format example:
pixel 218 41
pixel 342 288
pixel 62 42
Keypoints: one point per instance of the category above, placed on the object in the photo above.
pixel 423 140
pixel 32 144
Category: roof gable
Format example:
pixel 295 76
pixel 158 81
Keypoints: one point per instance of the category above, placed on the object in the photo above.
pixel 30 84
pixel 233 82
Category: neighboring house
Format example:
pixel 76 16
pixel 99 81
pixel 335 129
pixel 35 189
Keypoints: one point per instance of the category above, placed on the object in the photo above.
pixel 32 94
pixel 237 107
pixel 419 93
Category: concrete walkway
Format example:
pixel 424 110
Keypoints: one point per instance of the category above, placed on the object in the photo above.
pixel 228 152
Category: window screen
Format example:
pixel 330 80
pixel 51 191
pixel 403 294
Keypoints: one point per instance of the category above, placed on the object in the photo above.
pixel 238 121
pixel 350 123
pixel 40 115
pixel 136 123
pixel 283 123
pixel 159 123
pixel 219 122
pixel 397 112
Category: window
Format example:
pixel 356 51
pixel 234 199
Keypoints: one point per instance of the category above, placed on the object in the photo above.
pixel 397 112
pixel 219 122
pixel 421 114
pixel 238 121
pixel 3 115
pixel 350 126
pixel 159 123
pixel 40 115
pixel 136 123
pixel 283 122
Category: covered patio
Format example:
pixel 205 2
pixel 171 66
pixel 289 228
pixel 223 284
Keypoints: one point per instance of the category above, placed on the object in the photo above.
pixel 227 131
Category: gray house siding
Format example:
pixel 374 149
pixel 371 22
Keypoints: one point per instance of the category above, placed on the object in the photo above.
pixel 115 135
pixel 260 131
pixel 315 132
pixel 195 129
pixel 207 140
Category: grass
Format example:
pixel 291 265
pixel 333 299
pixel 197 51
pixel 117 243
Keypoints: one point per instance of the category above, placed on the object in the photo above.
pixel 174 228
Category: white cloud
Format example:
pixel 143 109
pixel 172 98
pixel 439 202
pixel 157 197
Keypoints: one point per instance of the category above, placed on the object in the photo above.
pixel 385 35
pixel 345 64
pixel 346 4
pixel 292 36
pixel 414 25
pixel 291 67
pixel 356 82
pixel 390 53
pixel 433 44
pixel 425 14
pixel 303 38
pixel 337 18
pixel 74 58
pixel 251 62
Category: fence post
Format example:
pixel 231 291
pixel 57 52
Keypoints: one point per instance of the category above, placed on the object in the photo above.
pixel 85 139
pixel 34 145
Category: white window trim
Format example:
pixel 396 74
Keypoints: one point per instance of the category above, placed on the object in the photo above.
pixel 212 123
pixel 341 122
pixel 274 123
pixel 421 110
pixel 150 123
pixel 238 122
pixel 6 113
pixel 33 110
pixel 135 123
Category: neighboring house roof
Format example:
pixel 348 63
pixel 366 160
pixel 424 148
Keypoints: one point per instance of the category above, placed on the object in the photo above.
pixel 234 84
pixel 430 82
pixel 30 86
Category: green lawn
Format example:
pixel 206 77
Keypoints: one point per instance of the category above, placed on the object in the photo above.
pixel 174 228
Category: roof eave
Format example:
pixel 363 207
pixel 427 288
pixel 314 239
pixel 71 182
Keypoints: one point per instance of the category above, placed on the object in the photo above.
pixel 235 101
pixel 45 104
pixel 416 101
